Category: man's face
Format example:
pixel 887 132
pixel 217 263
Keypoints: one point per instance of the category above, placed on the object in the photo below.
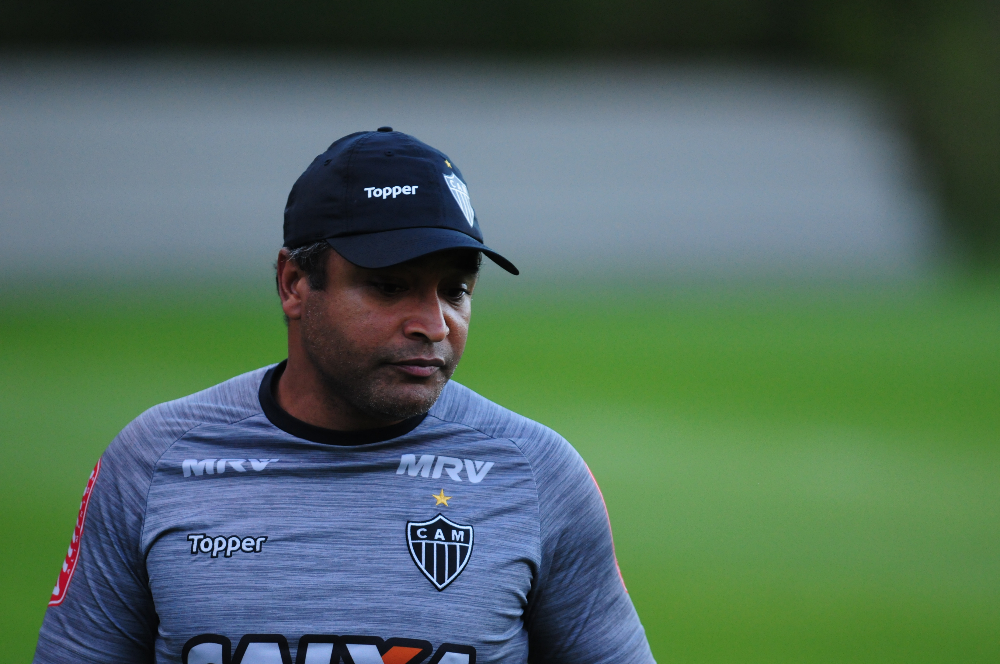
pixel 385 341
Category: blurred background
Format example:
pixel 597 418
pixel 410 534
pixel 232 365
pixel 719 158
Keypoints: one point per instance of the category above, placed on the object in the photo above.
pixel 759 243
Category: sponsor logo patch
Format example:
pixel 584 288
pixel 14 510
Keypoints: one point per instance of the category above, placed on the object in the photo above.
pixel 440 548
pixel 426 466
pixel 321 649
pixel 386 192
pixel 225 545
pixel 218 466
pixel 73 554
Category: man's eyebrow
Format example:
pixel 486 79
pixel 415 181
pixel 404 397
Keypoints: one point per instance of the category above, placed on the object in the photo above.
pixel 463 273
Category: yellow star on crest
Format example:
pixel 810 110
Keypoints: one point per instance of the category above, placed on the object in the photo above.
pixel 448 163
pixel 441 499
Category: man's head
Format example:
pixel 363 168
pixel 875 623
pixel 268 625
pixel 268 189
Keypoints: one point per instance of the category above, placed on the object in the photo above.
pixel 383 342
pixel 382 252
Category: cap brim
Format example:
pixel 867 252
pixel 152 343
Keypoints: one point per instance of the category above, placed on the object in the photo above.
pixel 375 250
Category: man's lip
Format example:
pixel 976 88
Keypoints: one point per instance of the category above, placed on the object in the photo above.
pixel 421 362
pixel 421 367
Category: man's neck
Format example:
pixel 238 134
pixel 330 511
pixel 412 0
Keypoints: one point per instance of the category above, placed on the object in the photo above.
pixel 301 392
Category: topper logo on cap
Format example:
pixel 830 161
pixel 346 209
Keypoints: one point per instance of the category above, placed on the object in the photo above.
pixel 385 192
pixel 330 202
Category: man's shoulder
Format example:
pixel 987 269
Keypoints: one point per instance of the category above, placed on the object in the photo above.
pixel 150 434
pixel 540 444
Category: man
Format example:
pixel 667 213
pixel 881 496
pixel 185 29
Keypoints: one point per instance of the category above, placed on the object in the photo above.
pixel 349 504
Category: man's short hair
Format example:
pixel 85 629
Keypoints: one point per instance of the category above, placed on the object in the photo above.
pixel 311 259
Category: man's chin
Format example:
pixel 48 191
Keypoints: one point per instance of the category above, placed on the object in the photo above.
pixel 401 401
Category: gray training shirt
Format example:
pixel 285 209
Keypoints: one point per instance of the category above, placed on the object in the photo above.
pixel 218 529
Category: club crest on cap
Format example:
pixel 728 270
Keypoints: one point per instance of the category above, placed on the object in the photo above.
pixel 461 194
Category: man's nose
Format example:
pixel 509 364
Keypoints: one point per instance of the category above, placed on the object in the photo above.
pixel 427 321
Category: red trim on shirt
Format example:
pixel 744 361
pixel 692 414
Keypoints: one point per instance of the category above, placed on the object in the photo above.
pixel 608 517
pixel 73 554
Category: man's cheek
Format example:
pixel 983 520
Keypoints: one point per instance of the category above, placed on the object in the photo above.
pixel 457 349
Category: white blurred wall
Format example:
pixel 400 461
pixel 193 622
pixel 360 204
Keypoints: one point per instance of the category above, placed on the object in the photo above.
pixel 182 164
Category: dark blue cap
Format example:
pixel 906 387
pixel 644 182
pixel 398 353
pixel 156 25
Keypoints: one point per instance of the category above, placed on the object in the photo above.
pixel 381 198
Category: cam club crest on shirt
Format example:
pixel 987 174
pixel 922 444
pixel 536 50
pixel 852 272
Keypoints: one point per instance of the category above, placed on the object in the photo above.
pixel 461 194
pixel 440 548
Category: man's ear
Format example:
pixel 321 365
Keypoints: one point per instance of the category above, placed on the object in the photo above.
pixel 293 286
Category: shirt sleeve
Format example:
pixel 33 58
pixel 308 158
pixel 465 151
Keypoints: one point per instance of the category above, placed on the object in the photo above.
pixel 579 610
pixel 101 609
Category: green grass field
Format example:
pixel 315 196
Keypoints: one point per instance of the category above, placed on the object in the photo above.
pixel 793 475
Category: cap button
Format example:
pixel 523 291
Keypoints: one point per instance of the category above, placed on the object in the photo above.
pixel 385 128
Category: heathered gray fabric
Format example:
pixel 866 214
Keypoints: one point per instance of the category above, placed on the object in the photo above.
pixel 541 583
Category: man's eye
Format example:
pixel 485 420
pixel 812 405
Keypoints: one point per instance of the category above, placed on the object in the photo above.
pixel 456 294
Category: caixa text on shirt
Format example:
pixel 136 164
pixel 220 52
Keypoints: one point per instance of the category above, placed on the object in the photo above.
pixel 227 545
pixel 322 649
